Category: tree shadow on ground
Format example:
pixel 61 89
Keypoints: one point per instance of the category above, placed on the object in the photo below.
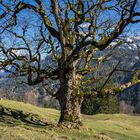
pixel 17 117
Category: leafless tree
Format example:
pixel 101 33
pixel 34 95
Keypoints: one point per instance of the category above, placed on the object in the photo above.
pixel 71 32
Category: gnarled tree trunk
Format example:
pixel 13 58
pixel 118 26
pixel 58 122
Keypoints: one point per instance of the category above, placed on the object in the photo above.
pixel 69 95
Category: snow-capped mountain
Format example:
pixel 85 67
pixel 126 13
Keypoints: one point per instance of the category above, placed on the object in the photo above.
pixel 127 53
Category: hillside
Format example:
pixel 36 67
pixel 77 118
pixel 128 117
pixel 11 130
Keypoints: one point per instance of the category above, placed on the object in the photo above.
pixel 19 121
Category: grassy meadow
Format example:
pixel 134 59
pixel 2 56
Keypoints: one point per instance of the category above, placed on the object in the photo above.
pixel 41 124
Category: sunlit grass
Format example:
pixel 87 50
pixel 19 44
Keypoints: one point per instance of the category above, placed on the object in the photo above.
pixel 116 126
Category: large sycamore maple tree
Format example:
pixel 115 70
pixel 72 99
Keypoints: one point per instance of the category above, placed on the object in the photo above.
pixel 71 31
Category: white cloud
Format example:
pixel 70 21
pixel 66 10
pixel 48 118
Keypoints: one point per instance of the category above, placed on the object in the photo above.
pixel 20 52
pixel 85 25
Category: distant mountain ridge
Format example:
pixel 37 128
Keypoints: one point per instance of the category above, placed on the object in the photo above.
pixel 13 88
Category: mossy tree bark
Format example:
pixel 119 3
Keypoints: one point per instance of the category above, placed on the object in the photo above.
pixel 69 95
pixel 62 31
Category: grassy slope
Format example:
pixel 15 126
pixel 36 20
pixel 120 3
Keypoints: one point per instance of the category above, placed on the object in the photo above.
pixel 117 126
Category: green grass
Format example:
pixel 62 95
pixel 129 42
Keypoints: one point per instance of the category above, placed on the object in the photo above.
pixel 116 126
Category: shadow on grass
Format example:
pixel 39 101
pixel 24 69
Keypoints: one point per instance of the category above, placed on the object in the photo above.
pixel 17 117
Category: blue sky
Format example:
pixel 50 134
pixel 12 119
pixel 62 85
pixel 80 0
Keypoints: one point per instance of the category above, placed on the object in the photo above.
pixel 134 29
